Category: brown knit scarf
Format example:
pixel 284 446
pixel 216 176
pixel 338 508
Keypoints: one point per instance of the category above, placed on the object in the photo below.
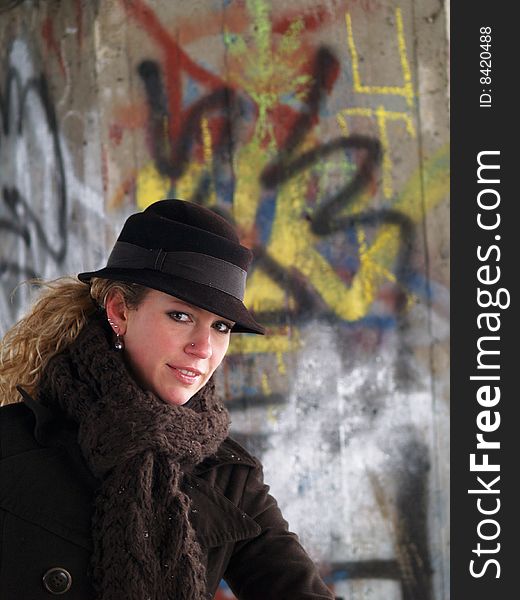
pixel 144 545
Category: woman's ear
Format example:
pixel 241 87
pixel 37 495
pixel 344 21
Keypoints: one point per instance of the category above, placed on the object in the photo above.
pixel 117 311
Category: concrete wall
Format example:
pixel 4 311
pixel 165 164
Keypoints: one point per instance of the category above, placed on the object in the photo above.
pixel 320 127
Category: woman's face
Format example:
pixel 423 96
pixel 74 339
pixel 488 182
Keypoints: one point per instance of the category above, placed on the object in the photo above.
pixel 172 347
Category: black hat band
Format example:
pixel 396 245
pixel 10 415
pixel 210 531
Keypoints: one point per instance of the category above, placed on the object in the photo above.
pixel 193 266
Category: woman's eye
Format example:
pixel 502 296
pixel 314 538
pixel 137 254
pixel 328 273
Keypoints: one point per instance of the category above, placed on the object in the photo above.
pixel 178 316
pixel 223 327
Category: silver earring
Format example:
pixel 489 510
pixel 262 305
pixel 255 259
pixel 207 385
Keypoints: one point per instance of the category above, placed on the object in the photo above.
pixel 118 344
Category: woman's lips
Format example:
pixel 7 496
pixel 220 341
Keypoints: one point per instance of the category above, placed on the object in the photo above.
pixel 185 374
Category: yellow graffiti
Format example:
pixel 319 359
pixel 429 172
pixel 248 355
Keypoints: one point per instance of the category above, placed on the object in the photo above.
pixel 406 90
pixel 280 342
pixel 266 388
pixel 206 141
pixel 269 68
pixel 431 185
pixel 248 161
pixel 380 114
pixel 280 363
pixel 375 273
pixel 272 414
pixel 150 185
pixel 186 185
pixel 382 117
pixel 265 72
pixel 293 246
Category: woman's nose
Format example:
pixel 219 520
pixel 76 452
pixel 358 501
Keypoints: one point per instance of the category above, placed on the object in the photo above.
pixel 200 344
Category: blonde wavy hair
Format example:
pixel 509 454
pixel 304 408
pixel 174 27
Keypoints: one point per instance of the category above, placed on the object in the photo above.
pixel 54 321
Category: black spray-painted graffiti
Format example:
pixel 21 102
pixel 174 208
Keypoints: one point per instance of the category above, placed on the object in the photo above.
pixel 172 156
pixel 327 218
pixel 412 567
pixel 20 218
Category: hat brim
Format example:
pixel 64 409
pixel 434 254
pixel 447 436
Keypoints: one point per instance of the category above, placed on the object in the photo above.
pixel 203 296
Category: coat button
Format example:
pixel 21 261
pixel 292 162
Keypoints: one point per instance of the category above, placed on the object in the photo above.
pixel 57 580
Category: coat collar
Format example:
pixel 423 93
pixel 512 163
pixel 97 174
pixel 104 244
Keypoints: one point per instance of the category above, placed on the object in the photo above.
pixel 228 453
pixel 57 476
pixel 48 491
pixel 53 429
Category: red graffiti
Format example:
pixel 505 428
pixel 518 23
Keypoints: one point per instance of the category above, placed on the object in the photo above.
pixel 174 130
pixel 176 61
pixel 311 20
pixel 51 42
pixel 79 22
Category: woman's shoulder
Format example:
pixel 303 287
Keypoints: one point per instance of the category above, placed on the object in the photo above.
pixel 231 449
pixel 17 415
pixel 231 452
pixel 231 459
pixel 17 424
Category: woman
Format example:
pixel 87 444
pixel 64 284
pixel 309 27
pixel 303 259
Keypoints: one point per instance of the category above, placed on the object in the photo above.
pixel 118 479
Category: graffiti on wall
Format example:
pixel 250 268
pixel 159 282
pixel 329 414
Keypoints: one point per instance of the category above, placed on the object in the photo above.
pixel 326 247
pixel 318 251
pixel 46 209
pixel 32 184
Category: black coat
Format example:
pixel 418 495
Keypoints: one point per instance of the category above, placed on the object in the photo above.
pixel 46 493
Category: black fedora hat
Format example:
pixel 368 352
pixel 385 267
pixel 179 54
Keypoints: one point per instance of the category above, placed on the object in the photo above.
pixel 187 251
